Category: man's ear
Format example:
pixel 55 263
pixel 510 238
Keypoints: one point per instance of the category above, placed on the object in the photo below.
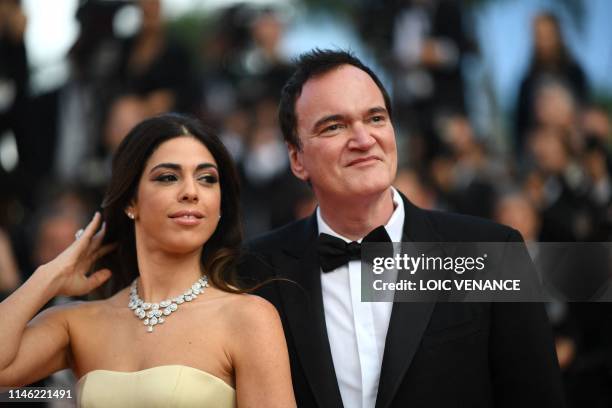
pixel 296 160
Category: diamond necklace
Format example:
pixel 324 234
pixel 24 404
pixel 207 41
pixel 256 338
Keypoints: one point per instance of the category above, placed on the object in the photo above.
pixel 152 312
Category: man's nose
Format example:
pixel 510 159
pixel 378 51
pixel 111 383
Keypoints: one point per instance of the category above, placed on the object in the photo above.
pixel 361 138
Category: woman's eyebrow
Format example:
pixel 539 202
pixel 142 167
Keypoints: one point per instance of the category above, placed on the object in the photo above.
pixel 174 166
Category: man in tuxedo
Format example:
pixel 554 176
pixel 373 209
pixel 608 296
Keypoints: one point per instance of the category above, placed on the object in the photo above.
pixel 336 119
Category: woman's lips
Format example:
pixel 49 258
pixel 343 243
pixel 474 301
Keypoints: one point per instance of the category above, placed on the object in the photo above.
pixel 187 220
pixel 187 217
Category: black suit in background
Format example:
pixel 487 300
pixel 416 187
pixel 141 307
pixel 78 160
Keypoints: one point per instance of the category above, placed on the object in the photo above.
pixel 436 354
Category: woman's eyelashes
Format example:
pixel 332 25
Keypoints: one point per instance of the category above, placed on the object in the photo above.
pixel 209 178
pixel 167 178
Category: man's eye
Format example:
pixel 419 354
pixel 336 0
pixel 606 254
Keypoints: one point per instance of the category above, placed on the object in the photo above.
pixel 209 179
pixel 166 178
pixel 377 118
pixel 332 128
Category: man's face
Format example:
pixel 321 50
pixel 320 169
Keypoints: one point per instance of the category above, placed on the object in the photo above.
pixel 348 143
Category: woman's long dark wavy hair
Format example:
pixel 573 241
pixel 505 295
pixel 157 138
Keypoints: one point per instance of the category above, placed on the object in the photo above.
pixel 220 252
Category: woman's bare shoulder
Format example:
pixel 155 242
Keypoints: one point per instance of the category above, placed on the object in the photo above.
pixel 66 314
pixel 248 312
pixel 251 306
pixel 255 335
pixel 86 309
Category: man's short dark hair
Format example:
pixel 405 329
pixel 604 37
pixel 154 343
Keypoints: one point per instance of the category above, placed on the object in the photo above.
pixel 309 65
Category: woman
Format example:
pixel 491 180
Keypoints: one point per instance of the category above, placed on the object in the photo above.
pixel 551 63
pixel 181 334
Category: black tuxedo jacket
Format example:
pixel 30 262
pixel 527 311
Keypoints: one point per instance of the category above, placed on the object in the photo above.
pixel 436 354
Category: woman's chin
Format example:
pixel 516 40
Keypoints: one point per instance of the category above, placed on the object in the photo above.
pixel 183 248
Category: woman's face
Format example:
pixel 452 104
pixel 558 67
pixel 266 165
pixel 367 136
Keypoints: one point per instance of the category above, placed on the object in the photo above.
pixel 178 201
pixel 547 40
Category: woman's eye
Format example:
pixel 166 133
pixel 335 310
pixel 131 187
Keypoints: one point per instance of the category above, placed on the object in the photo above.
pixel 166 178
pixel 209 179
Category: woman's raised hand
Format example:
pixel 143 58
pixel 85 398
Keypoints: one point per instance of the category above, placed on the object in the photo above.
pixel 70 268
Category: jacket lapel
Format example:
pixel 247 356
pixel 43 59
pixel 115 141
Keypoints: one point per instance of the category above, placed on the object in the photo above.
pixel 304 310
pixel 408 320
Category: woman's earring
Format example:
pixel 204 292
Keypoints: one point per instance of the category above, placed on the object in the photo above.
pixel 130 215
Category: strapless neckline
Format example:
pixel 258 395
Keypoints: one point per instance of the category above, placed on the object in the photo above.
pixel 165 386
pixel 166 366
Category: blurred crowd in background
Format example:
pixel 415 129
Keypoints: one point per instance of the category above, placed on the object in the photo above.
pixel 547 173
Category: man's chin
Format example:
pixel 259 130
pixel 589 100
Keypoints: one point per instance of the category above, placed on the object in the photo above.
pixel 368 189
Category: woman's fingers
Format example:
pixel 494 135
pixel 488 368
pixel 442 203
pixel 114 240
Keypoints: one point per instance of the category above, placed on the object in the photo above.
pixel 97 278
pixel 97 239
pixel 100 252
pixel 90 230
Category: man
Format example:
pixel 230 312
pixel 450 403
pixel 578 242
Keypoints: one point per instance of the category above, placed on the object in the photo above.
pixel 336 119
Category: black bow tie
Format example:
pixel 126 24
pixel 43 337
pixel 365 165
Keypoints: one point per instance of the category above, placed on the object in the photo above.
pixel 335 252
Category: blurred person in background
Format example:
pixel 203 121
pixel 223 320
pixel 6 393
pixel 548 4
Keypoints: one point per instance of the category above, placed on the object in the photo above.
pixel 64 143
pixel 416 188
pixel 561 193
pixel 50 229
pixel 155 66
pixel 221 47
pixel 476 170
pixel 518 212
pixel 570 186
pixel 234 132
pixel 595 121
pixel 55 228
pixel 14 72
pixel 555 107
pixel 270 192
pixel 14 77
pixel 551 61
pixel 428 43
pixel 9 271
pixel 243 73
pixel 53 231
pixel 265 68
pixel 14 83
pixel 597 163
pixel 125 112
pixel 242 60
pixel 465 167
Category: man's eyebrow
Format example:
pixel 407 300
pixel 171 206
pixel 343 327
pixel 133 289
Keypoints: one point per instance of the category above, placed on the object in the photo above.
pixel 174 166
pixel 377 109
pixel 326 119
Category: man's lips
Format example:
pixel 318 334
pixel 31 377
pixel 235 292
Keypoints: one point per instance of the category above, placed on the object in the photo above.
pixel 364 160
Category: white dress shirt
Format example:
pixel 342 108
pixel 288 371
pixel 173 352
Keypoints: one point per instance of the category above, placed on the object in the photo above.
pixel 357 330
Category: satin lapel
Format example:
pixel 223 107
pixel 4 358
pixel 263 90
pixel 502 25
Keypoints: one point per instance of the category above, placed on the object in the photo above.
pixel 306 316
pixel 408 320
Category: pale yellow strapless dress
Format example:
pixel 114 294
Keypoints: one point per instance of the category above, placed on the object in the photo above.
pixel 164 386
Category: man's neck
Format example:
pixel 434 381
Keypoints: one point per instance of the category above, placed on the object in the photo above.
pixel 355 218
